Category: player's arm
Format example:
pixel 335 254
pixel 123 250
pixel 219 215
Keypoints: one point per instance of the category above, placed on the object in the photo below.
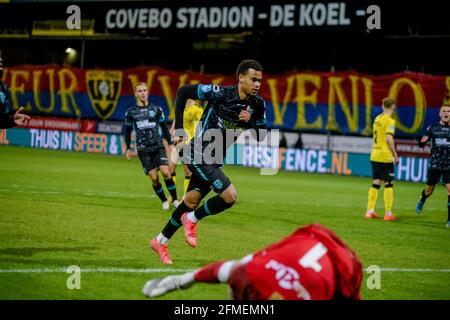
pixel 259 123
pixel 172 128
pixel 195 92
pixel 166 133
pixel 165 130
pixel 127 128
pixel 6 121
pixel 422 141
pixel 183 93
pixel 18 119
pixel 216 272
pixel 391 146
pixel 390 131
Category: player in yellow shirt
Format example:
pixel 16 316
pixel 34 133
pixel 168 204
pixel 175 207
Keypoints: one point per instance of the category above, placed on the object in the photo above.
pixel 191 116
pixel 383 158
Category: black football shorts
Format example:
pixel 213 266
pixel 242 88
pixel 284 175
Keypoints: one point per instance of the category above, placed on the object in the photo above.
pixel 383 171
pixel 153 159
pixel 206 177
pixel 434 176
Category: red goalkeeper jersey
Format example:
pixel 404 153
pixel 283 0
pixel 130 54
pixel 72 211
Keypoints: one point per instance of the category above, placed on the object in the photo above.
pixel 310 264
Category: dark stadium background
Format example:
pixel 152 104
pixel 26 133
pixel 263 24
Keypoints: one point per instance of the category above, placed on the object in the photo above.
pixel 413 37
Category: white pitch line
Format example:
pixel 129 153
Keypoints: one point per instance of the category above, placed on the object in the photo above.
pixel 98 270
pixel 173 270
pixel 413 270
pixel 75 192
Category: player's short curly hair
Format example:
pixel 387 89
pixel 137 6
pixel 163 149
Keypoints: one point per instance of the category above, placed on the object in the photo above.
pixel 247 64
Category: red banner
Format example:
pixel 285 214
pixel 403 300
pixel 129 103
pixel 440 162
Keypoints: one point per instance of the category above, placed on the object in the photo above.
pixel 345 102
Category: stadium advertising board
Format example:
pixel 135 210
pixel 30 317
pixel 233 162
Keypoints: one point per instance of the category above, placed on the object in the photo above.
pixel 300 160
pixel 323 161
pixel 110 127
pixel 67 124
pixel 337 143
pixel 50 123
pixel 345 102
pixel 411 148
pixel 66 140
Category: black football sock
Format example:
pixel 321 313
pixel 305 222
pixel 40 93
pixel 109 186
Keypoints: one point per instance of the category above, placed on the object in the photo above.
pixel 424 197
pixel 160 192
pixel 211 206
pixel 170 185
pixel 174 222
pixel 448 209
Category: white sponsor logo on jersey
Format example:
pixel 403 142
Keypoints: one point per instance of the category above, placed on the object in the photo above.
pixel 145 124
pixel 288 278
pixel 442 142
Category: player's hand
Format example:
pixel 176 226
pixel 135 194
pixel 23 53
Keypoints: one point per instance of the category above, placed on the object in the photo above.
pixel 396 160
pixel 128 154
pixel 244 115
pixel 178 140
pixel 179 135
pixel 20 119
pixel 161 286
pixel 422 141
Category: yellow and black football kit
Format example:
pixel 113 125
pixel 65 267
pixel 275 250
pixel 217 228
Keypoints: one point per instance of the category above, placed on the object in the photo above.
pixel 382 161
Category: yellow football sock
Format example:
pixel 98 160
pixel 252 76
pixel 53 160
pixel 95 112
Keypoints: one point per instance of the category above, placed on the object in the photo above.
pixel 388 199
pixel 372 199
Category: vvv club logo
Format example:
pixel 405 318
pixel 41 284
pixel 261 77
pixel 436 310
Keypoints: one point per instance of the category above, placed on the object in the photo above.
pixel 104 88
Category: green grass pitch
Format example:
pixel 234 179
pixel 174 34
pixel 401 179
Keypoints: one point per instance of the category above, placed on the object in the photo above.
pixel 95 211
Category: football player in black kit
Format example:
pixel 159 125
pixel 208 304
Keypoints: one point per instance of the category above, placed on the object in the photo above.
pixel 8 120
pixel 439 134
pixel 146 119
pixel 229 107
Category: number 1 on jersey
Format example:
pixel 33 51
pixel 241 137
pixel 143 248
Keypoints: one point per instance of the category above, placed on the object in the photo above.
pixel 311 258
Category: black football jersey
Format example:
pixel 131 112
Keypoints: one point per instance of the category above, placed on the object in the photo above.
pixel 440 146
pixel 146 122
pixel 222 113
pixel 4 98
